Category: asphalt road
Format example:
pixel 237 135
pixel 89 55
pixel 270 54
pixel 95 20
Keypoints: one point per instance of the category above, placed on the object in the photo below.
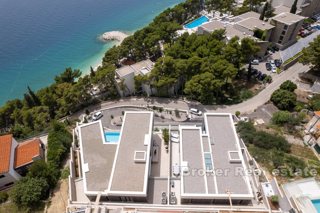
pixel 244 107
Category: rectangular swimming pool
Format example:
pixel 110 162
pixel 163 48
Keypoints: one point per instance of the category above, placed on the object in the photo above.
pixel 112 137
pixel 316 204
pixel 197 22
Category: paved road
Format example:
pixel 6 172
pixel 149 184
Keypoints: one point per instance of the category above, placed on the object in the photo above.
pixel 244 107
pixel 258 100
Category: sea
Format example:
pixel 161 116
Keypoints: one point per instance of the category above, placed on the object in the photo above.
pixel 40 38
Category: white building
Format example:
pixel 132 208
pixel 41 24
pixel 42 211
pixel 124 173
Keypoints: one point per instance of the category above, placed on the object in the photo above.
pixel 125 77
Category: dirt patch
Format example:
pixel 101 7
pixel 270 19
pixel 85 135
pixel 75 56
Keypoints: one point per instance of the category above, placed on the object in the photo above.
pixel 59 199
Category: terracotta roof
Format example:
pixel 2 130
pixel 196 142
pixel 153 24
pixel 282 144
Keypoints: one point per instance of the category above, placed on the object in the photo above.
pixel 26 151
pixel 5 151
pixel 317 113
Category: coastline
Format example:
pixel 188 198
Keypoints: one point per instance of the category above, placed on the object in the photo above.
pixel 111 39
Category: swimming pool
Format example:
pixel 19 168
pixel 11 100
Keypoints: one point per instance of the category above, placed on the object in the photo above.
pixel 112 137
pixel 197 22
pixel 316 204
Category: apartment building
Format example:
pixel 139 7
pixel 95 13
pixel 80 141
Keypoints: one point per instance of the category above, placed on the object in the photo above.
pixel 307 8
pixel 287 26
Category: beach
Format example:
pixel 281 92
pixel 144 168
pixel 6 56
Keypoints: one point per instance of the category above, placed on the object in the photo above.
pixel 36 47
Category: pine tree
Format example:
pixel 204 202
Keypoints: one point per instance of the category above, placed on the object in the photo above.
pixel 92 73
pixel 264 11
pixel 34 97
pixel 294 7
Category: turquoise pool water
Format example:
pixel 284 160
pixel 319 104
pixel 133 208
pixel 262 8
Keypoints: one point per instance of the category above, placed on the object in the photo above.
pixel 197 22
pixel 112 137
pixel 316 204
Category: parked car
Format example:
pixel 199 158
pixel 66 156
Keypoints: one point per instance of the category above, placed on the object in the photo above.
pixel 275 48
pixel 97 115
pixel 274 69
pixel 278 62
pixel 268 66
pixel 258 74
pixel 261 77
pixel 195 111
pixel 255 62
pixel 254 71
pixel 174 135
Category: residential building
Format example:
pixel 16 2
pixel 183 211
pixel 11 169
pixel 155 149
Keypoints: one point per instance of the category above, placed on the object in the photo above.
pixel 304 194
pixel 7 173
pixel 117 171
pixel 125 77
pixel 208 166
pixel 215 170
pixel 245 25
pixel 307 8
pixel 287 26
pixel 26 153
pixel 15 158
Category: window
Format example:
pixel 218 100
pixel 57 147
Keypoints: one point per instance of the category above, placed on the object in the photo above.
pixel 285 27
pixel 283 32
pixel 208 161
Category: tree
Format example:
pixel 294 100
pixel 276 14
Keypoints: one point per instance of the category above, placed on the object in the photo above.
pixel 34 97
pixel 283 99
pixel 28 192
pixel 40 169
pixel 311 54
pixel 288 85
pixel 263 13
pixel 248 49
pixel 68 76
pixel 165 136
pixel 281 117
pixel 294 7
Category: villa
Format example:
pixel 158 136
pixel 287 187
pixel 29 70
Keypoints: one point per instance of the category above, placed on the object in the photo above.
pixel 126 74
pixel 15 158
pixel 304 195
pixel 204 166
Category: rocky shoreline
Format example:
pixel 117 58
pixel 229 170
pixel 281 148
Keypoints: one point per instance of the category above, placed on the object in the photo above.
pixel 113 36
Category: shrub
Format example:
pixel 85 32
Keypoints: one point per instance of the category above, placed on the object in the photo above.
pixel 275 199
pixel 315 103
pixel 165 135
pixel 49 172
pixel 28 192
pixel 3 197
pixel 281 117
pixel 246 94
pixel 59 142
pixel 288 85
pixel 283 99
pixel 237 113
pixel 267 79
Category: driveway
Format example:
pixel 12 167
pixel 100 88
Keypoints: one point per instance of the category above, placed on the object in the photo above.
pixel 297 47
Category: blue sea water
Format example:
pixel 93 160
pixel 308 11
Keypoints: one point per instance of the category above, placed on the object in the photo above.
pixel 40 38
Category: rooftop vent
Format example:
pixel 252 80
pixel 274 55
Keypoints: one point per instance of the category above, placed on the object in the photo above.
pixel 139 156
pixel 234 157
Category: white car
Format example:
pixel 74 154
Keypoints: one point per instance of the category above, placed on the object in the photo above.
pixel 97 115
pixel 174 135
pixel 176 140
pixel 195 111
pixel 255 62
